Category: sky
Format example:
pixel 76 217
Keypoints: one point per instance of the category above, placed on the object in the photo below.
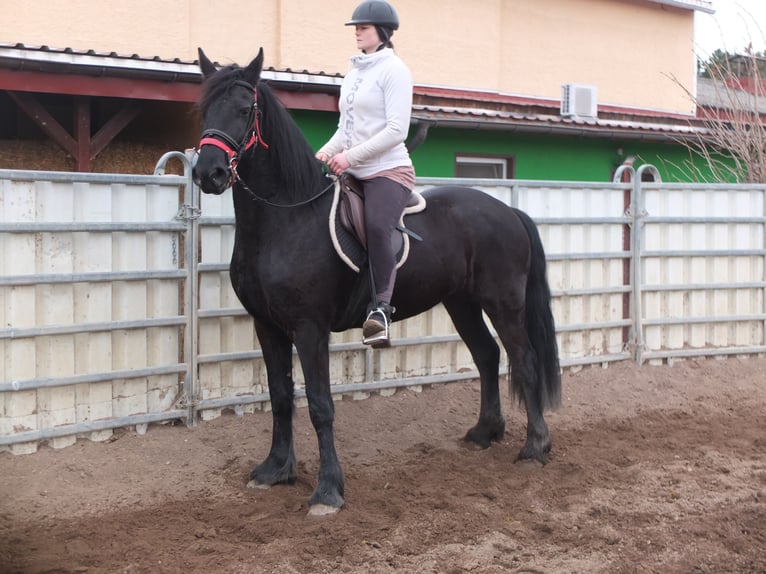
pixel 733 26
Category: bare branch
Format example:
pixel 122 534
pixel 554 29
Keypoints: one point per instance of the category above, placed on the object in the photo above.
pixel 732 141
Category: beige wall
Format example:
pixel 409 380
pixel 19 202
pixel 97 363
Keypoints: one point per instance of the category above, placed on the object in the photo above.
pixel 629 49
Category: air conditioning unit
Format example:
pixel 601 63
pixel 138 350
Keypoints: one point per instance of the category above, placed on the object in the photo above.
pixel 579 100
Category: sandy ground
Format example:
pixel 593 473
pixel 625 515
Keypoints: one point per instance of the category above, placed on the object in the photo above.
pixel 660 470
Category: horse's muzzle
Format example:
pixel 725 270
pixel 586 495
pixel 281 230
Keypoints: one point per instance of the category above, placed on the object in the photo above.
pixel 211 177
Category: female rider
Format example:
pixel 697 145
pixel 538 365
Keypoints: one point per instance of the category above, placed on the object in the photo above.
pixel 375 106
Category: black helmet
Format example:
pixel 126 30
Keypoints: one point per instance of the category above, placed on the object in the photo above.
pixel 377 12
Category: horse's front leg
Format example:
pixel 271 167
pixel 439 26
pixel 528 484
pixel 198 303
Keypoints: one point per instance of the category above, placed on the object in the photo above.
pixel 312 344
pixel 279 466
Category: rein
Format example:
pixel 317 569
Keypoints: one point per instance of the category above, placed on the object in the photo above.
pixel 252 139
pixel 267 202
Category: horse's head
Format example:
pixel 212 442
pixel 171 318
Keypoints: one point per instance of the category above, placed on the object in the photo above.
pixel 230 116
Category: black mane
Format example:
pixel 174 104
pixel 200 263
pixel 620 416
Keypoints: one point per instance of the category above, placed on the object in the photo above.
pixel 289 154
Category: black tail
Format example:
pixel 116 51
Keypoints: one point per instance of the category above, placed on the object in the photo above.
pixel 541 328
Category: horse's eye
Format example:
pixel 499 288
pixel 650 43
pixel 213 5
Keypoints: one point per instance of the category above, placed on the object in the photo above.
pixel 244 111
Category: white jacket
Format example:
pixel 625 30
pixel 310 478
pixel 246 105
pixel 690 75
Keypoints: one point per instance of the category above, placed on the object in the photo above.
pixel 375 106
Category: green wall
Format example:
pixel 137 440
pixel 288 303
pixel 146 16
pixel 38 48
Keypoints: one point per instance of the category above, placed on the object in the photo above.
pixel 316 126
pixel 541 157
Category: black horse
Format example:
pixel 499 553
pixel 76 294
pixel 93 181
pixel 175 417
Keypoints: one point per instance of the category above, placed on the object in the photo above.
pixel 477 254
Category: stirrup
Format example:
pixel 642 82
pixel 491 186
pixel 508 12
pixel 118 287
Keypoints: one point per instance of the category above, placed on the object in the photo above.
pixel 375 330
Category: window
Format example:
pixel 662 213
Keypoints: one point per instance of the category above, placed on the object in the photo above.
pixel 479 167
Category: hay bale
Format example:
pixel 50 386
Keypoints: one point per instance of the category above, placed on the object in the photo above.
pixel 117 157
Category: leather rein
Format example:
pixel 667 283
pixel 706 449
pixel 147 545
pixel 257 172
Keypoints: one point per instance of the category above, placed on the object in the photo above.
pixel 252 139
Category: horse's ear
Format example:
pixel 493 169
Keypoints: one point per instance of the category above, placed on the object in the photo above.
pixel 207 67
pixel 253 70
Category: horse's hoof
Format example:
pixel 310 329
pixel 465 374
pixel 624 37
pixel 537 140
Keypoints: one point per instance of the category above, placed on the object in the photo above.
pixel 530 463
pixel 532 456
pixel 323 510
pixel 258 485
pixel 267 474
pixel 483 435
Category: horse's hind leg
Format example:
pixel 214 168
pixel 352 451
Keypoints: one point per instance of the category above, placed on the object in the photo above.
pixel 525 383
pixel 466 314
pixel 279 466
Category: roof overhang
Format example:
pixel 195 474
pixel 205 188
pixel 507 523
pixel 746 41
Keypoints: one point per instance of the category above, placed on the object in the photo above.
pixel 67 71
pixel 548 124
pixel 698 5
pixel 437 106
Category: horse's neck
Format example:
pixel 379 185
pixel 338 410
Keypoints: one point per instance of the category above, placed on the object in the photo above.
pixel 257 212
pixel 279 184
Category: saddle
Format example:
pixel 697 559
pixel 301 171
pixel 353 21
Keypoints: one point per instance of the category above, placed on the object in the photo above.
pixel 347 227
pixel 351 207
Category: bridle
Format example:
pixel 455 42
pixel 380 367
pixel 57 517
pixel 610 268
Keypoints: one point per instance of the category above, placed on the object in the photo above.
pixel 229 145
pixel 251 139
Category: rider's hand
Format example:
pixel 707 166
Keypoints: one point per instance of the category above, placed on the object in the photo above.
pixel 322 156
pixel 338 163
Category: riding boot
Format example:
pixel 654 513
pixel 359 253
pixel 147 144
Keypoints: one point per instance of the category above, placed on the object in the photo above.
pixel 375 330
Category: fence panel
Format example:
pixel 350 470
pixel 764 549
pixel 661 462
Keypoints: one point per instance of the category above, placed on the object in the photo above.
pixel 702 268
pixel 117 309
pixel 583 227
pixel 89 304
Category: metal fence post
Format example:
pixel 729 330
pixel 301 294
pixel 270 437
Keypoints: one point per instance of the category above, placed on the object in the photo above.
pixel 636 304
pixel 189 212
pixel 633 213
pixel 763 270
pixel 638 215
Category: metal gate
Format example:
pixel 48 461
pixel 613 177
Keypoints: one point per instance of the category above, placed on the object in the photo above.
pixel 117 308
pixel 92 279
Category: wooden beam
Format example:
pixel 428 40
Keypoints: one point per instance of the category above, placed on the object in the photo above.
pixel 307 100
pixel 112 127
pixel 141 89
pixel 46 122
pixel 81 85
pixel 82 147
pixel 82 133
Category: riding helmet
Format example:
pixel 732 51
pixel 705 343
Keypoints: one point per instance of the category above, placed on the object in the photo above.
pixel 377 12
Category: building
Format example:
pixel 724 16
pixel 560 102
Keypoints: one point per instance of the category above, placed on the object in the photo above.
pixel 565 89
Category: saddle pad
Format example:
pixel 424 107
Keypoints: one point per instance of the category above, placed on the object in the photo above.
pixel 349 249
